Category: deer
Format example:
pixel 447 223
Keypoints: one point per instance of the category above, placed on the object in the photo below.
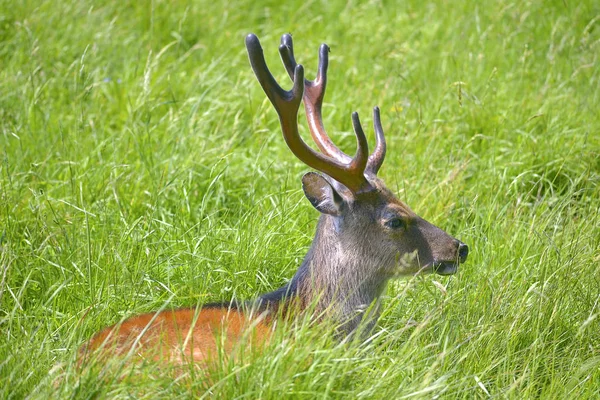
pixel 364 237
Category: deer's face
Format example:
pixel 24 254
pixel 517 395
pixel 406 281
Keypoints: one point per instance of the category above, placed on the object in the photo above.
pixel 384 231
pixel 371 227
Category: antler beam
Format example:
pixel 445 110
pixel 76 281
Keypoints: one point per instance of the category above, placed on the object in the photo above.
pixel 335 163
pixel 314 93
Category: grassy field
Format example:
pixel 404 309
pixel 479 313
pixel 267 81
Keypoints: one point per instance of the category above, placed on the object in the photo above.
pixel 142 167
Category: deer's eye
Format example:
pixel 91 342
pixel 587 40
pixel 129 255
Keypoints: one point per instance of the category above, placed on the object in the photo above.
pixel 395 223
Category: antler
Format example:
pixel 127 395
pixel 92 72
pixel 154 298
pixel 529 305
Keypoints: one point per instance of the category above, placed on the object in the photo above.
pixel 349 171
pixel 376 159
pixel 313 100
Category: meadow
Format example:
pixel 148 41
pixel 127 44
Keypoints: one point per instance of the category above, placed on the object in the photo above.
pixel 142 167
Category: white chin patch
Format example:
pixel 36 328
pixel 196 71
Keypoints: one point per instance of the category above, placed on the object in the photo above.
pixel 446 268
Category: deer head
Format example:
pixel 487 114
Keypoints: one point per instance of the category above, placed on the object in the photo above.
pixel 365 235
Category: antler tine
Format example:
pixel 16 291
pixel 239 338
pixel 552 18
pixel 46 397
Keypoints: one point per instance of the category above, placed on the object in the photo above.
pixel 360 160
pixel 276 94
pixel 376 159
pixel 286 104
pixel 314 92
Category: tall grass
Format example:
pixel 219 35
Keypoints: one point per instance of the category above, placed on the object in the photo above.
pixel 142 167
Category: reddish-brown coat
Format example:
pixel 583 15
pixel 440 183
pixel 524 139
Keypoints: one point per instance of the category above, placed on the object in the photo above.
pixel 180 336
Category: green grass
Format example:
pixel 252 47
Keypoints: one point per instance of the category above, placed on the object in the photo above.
pixel 141 166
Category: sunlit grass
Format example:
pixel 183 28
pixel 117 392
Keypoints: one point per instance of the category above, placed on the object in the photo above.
pixel 141 165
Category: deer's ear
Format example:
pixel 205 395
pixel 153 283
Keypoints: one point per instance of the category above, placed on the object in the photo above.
pixel 321 194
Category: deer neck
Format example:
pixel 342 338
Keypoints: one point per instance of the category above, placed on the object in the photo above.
pixel 338 279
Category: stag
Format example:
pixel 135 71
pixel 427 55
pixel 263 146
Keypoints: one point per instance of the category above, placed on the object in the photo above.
pixel 365 236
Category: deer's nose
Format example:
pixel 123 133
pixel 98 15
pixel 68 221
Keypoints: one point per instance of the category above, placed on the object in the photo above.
pixel 463 252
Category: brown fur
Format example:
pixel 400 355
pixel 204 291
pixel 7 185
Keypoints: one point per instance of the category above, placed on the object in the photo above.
pixel 180 336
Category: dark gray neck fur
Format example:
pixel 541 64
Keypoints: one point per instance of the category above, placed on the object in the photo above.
pixel 340 276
